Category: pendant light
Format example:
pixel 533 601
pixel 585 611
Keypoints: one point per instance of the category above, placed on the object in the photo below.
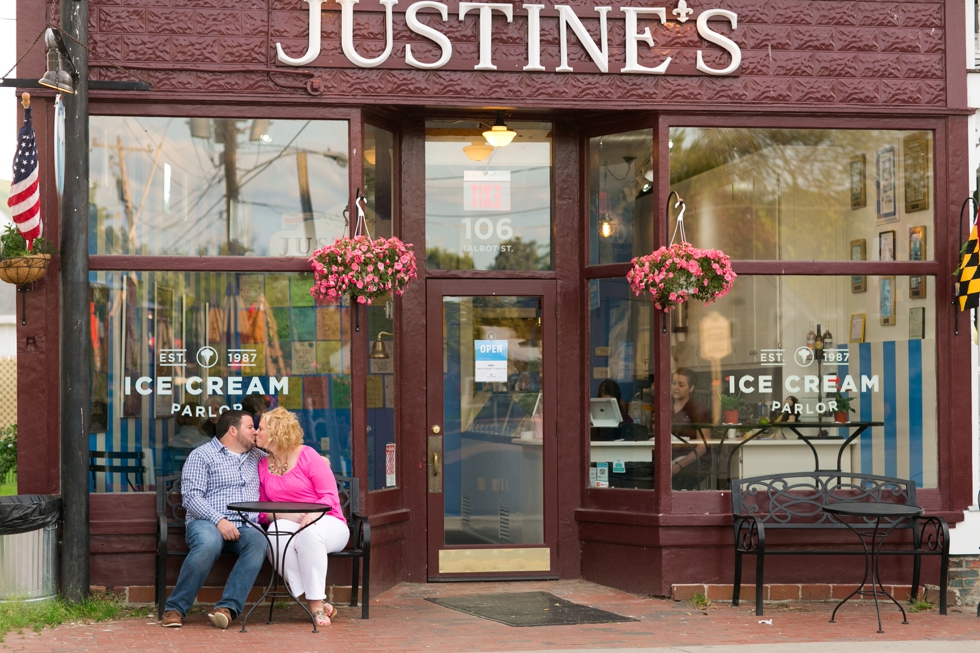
pixel 499 135
pixel 478 150
pixel 60 72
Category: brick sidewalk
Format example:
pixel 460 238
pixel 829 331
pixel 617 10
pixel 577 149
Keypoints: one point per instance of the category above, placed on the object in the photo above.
pixel 401 620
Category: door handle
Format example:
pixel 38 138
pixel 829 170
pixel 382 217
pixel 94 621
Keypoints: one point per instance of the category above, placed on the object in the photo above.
pixel 435 466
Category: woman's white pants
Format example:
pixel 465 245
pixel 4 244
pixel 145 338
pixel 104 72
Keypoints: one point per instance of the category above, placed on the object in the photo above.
pixel 304 564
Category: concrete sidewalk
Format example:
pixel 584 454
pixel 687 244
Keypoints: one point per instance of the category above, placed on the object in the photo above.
pixel 403 621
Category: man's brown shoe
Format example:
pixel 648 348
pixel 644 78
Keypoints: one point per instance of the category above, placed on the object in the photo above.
pixel 172 619
pixel 220 618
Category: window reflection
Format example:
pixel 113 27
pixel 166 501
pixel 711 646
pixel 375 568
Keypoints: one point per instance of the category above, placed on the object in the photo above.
pixel 621 196
pixel 487 209
pixel 621 386
pixel 171 350
pixel 779 379
pixel 804 194
pixel 216 186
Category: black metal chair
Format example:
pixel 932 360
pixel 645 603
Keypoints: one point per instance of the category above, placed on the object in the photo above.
pixel 170 522
pixel 106 462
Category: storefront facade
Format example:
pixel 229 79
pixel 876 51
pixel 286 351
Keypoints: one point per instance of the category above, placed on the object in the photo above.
pixel 822 145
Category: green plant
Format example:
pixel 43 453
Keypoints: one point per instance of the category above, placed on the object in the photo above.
pixel 13 245
pixel 8 452
pixel 843 403
pixel 700 601
pixel 920 603
pixel 18 617
pixel 731 402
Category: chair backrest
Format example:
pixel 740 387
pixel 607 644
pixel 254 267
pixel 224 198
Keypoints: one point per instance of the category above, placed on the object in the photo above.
pixel 170 502
pixel 796 499
pixel 107 462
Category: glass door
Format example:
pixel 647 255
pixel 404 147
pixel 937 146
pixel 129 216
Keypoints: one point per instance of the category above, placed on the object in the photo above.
pixel 491 458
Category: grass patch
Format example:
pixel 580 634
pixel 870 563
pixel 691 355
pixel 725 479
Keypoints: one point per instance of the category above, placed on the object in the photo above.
pixel 9 485
pixel 700 601
pixel 921 604
pixel 19 617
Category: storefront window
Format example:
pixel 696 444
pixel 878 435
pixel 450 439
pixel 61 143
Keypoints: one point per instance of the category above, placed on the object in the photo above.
pixel 216 186
pixel 806 194
pixel 783 354
pixel 487 208
pixel 379 174
pixel 621 386
pixel 171 350
pixel 620 196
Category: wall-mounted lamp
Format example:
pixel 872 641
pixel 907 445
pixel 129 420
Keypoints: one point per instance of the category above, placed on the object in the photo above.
pixel 60 73
pixel 478 150
pixel 378 350
pixel 499 135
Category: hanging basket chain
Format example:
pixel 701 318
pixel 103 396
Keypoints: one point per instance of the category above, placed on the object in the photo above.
pixel 87 49
pixel 26 52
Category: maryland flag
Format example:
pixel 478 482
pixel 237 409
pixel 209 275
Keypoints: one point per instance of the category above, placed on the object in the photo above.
pixel 968 287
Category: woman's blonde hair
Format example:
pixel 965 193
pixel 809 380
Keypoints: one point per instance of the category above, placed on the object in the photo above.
pixel 285 433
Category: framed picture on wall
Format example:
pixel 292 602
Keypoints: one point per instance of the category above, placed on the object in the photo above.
pixel 917 323
pixel 857 329
pixel 859 252
pixel 916 158
pixel 886 246
pixel 887 204
pixel 917 252
pixel 886 295
pixel 859 189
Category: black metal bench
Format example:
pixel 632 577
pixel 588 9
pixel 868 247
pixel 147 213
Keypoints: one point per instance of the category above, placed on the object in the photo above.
pixel 170 537
pixel 795 500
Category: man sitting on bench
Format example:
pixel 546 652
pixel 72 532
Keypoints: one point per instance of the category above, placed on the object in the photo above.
pixel 223 471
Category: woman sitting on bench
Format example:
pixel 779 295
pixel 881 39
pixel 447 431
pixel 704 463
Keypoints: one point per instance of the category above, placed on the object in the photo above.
pixel 295 472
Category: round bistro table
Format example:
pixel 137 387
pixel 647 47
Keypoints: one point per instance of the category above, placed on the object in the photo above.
pixel 871 540
pixel 272 508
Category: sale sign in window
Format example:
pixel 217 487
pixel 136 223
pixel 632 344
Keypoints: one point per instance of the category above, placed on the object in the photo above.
pixel 486 190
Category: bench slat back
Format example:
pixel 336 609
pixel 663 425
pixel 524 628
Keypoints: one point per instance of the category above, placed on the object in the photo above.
pixel 170 502
pixel 795 500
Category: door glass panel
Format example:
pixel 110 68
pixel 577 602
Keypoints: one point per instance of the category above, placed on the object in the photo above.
pixel 493 420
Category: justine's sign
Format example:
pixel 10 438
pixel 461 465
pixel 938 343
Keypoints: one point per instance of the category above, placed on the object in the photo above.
pixel 641 28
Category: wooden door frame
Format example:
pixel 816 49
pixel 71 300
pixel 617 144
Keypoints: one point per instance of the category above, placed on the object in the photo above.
pixel 436 289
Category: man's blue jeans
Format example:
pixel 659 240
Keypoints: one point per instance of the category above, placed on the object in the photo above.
pixel 206 544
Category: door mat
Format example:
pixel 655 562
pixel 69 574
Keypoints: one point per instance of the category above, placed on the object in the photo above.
pixel 529 609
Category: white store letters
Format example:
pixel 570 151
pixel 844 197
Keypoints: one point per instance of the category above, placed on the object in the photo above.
pixel 567 20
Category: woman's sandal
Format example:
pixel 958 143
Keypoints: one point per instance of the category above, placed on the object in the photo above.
pixel 321 618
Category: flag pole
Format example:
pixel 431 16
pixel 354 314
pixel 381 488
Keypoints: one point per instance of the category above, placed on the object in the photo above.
pixel 75 340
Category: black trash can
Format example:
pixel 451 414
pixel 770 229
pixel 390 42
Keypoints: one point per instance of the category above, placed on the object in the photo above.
pixel 29 547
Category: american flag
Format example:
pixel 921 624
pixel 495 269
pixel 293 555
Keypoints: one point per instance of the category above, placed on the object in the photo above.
pixel 25 197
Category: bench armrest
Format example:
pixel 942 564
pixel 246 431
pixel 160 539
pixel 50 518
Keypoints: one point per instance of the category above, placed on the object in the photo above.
pixel 361 528
pixel 932 535
pixel 161 534
pixel 750 533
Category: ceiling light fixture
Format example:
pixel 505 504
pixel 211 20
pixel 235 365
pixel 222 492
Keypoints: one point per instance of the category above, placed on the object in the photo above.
pixel 605 226
pixel 499 135
pixel 478 150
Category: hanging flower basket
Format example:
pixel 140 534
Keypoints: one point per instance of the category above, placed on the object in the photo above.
pixel 363 268
pixel 24 269
pixel 681 272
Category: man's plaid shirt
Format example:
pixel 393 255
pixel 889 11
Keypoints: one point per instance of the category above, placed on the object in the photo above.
pixel 213 477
